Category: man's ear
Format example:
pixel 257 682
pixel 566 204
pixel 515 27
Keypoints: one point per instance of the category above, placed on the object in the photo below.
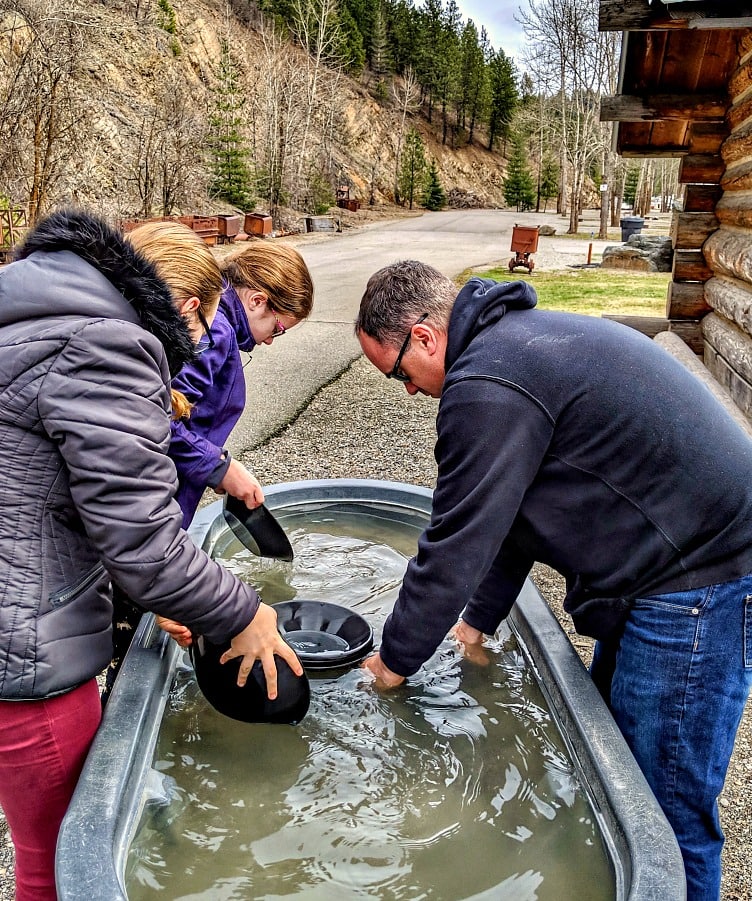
pixel 427 336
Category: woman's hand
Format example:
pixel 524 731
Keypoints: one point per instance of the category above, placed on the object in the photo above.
pixel 181 634
pixel 470 641
pixel 260 640
pixel 240 483
pixel 385 678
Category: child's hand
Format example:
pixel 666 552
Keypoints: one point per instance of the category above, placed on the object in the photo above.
pixel 181 634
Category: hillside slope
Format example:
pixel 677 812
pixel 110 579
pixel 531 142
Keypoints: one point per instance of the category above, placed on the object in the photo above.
pixel 136 81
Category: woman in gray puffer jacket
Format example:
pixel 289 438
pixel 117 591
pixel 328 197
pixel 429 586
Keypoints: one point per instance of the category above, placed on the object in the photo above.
pixel 90 335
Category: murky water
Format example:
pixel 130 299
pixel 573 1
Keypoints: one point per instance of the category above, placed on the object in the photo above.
pixel 456 786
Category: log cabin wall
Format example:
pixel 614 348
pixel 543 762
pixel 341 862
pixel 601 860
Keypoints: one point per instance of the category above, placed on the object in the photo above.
pixel 686 91
pixel 727 330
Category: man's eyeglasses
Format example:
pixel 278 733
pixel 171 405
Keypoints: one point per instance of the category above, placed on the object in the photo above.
pixel 207 331
pixel 395 373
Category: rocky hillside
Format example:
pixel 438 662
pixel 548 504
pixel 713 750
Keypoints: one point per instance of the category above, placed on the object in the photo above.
pixel 138 81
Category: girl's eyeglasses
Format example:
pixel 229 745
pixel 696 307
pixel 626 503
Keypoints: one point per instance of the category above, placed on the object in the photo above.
pixel 279 329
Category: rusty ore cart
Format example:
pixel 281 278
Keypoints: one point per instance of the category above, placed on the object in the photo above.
pixel 524 245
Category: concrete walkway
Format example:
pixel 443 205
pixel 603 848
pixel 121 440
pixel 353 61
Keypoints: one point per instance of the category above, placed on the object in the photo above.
pixel 283 378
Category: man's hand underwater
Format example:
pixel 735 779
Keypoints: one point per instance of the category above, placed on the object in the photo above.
pixel 385 678
pixel 470 641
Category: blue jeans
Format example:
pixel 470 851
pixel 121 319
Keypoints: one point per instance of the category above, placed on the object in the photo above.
pixel 676 682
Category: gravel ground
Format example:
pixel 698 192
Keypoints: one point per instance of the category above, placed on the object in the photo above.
pixel 363 426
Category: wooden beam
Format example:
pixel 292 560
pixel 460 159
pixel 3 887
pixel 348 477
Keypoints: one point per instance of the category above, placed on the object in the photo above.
pixel 707 137
pixel 728 356
pixel 648 325
pixel 690 266
pixel 738 177
pixel 618 15
pixel 671 342
pixel 740 112
pixel 649 107
pixel 701 198
pixel 639 15
pixel 633 15
pixel 731 298
pixel 735 210
pixel 642 151
pixel 701 168
pixel 736 148
pixel 729 252
pixel 686 300
pixel 689 231
pixel 688 330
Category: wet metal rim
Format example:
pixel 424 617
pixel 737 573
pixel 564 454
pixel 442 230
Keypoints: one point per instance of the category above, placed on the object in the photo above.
pixel 105 811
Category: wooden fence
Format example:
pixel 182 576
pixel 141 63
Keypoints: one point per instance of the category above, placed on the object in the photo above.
pixel 13 225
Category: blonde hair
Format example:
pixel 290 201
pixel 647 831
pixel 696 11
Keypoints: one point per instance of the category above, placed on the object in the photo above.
pixel 278 271
pixel 185 263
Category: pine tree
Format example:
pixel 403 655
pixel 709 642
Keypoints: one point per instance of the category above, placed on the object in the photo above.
pixel 351 50
pixel 518 185
pixel 549 179
pixel 379 55
pixel 504 97
pixel 434 196
pixel 231 176
pixel 412 168
pixel 630 183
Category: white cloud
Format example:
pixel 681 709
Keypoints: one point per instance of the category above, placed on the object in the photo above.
pixel 498 18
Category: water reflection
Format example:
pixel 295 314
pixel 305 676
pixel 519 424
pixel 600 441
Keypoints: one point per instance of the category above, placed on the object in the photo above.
pixel 454 786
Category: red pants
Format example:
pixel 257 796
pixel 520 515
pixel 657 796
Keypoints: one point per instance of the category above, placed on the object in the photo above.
pixel 43 746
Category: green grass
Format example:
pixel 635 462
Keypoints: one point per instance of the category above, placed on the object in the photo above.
pixel 591 291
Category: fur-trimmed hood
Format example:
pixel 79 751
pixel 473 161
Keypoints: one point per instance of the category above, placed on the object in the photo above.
pixel 126 270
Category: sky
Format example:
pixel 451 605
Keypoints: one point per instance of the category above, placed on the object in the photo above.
pixel 498 18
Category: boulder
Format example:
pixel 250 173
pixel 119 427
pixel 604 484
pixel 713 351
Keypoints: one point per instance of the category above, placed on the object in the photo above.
pixel 640 253
pixel 547 231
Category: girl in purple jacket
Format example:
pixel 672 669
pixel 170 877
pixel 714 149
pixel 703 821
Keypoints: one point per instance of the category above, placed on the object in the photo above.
pixel 267 290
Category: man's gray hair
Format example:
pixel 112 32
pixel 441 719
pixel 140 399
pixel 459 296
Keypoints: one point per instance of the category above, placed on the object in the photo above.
pixel 399 294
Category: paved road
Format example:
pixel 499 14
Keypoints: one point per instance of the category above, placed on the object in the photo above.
pixel 283 378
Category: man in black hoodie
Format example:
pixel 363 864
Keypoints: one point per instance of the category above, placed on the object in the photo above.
pixel 581 444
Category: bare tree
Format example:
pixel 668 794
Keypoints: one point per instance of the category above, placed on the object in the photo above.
pixel 316 27
pixel 168 167
pixel 566 47
pixel 44 120
pixel 181 157
pixel 146 165
pixel 406 95
pixel 276 116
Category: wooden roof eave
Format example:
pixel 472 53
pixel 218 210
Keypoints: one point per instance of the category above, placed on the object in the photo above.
pixel 642 15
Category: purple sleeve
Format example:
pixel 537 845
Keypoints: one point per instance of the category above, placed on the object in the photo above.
pixel 195 457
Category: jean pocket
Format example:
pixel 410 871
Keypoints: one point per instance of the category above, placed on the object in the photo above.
pixel 689 602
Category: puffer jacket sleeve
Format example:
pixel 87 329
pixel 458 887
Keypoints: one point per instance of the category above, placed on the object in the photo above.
pixel 105 403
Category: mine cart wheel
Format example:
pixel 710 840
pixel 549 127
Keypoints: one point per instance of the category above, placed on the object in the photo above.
pixel 531 265
pixel 512 264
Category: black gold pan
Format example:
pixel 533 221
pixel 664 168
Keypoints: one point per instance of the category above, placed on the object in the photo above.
pixel 257 530
pixel 249 704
